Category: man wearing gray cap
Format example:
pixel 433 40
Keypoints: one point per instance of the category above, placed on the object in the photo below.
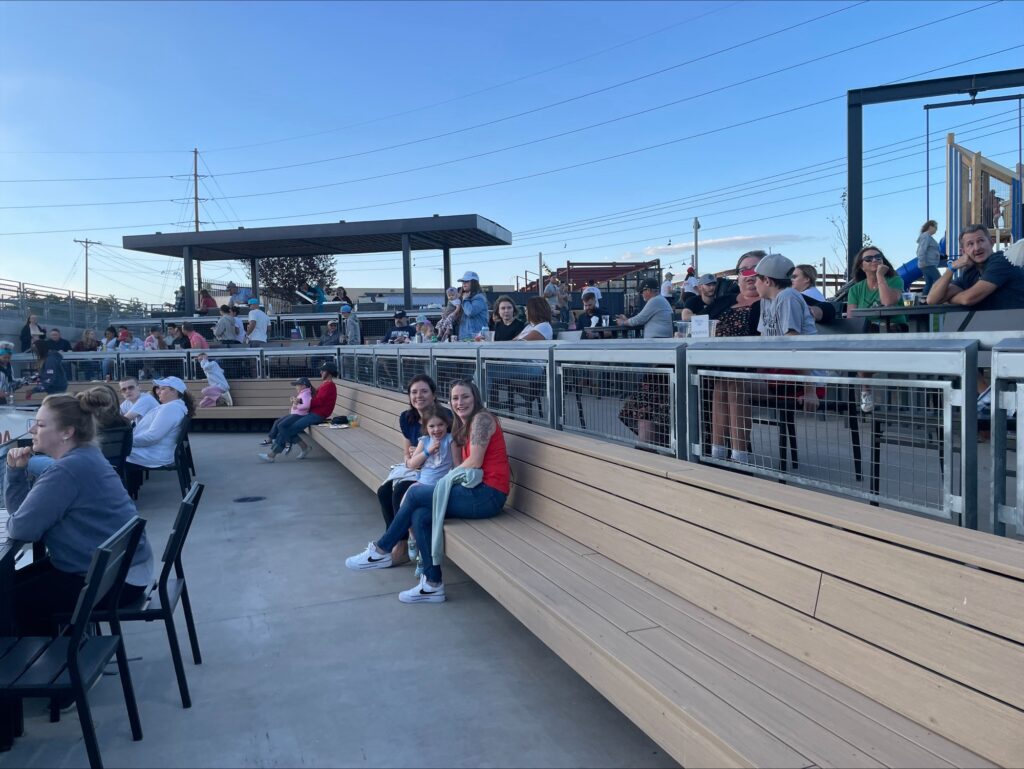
pixel 783 310
pixel 699 303
pixel 656 315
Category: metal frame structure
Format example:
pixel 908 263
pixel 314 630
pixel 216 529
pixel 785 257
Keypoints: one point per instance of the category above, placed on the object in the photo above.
pixel 1007 394
pixel 368 237
pixel 858 98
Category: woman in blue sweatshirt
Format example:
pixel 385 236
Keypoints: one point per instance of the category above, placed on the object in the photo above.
pixel 73 507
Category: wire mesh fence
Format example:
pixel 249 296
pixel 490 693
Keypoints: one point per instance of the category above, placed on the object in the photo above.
pixel 629 404
pixel 517 389
pixel 999 409
pixel 448 370
pixel 364 368
pixel 882 438
pixel 412 365
pixel 386 371
pixel 235 365
pixel 293 365
pixel 348 366
pixel 151 365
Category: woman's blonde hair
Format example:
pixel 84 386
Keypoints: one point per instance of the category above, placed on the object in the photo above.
pixel 70 412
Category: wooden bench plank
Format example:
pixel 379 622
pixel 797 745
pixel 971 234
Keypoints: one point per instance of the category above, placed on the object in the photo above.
pixel 686 719
pixel 791 583
pixel 955 650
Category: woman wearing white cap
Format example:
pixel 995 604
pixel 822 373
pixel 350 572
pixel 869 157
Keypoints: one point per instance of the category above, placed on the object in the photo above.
pixel 472 313
pixel 156 434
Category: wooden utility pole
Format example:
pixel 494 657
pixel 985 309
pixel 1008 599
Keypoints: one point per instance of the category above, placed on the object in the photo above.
pixel 696 252
pixel 195 191
pixel 87 243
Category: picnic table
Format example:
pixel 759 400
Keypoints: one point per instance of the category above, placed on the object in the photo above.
pixel 919 315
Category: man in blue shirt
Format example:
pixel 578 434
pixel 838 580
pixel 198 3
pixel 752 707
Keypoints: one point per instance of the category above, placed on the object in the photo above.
pixel 987 280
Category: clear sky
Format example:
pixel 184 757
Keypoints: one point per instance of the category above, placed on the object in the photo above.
pixel 410 109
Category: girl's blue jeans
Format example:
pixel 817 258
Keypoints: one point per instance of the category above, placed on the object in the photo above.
pixel 417 512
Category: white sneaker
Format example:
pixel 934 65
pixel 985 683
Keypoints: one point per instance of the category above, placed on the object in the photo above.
pixel 867 401
pixel 267 457
pixel 719 452
pixel 423 593
pixel 304 451
pixel 369 559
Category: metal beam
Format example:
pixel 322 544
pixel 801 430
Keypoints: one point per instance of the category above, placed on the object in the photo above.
pixel 921 89
pixel 190 289
pixel 407 270
pixel 446 260
pixel 254 277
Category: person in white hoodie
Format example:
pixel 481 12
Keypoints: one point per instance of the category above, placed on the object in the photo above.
pixel 218 381
pixel 156 434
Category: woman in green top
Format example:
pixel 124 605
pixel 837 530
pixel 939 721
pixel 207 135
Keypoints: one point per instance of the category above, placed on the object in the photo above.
pixel 877 285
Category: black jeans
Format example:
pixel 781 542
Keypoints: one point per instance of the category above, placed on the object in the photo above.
pixel 42 590
pixel 390 496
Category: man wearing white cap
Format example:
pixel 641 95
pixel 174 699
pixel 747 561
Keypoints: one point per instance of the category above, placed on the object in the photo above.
pixel 666 286
pixel 473 311
pixel 350 331
pixel 257 325
pixel 156 434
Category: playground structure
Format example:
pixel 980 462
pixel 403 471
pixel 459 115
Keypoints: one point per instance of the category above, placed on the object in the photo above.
pixel 981 191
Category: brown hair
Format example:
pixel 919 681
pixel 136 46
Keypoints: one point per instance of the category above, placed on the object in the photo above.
pixel 930 223
pixel 102 402
pixel 69 412
pixel 497 304
pixel 538 310
pixel 810 271
pixel 460 430
pixel 432 412
pixel 858 260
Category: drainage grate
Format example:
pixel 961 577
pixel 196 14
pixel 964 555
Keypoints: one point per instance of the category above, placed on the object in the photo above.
pixel 248 499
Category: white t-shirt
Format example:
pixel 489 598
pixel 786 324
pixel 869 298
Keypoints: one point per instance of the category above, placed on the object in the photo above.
pixel 544 329
pixel 666 289
pixel 262 320
pixel 690 285
pixel 814 293
pixel 140 407
pixel 240 334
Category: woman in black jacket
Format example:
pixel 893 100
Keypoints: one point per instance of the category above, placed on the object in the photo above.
pixel 50 365
pixel 30 332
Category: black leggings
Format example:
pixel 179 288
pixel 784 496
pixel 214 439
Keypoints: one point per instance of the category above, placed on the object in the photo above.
pixel 42 590
pixel 390 495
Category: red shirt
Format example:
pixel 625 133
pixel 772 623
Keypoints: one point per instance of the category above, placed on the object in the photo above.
pixel 495 466
pixel 198 341
pixel 323 402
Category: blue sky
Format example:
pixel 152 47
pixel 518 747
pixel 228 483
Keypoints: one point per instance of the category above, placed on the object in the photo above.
pixel 103 90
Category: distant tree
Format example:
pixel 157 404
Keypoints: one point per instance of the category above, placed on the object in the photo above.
pixel 840 227
pixel 282 276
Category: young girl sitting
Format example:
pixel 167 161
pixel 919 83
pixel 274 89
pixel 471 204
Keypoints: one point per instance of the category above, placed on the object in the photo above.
pixel 304 392
pixel 434 456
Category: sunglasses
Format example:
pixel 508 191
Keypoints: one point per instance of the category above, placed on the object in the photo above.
pixel 748 273
pixel 871 258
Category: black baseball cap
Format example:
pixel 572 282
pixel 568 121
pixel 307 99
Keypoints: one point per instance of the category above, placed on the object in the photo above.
pixel 330 368
pixel 650 284
pixel 400 314
pixel 303 380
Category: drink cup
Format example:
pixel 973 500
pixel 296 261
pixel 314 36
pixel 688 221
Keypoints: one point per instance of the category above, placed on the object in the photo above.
pixel 908 299
pixel 606 320
pixel 712 328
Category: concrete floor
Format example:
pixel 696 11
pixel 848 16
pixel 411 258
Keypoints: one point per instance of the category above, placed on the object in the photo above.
pixel 308 664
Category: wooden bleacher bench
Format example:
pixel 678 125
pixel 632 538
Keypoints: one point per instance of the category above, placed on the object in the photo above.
pixel 262 400
pixel 740 622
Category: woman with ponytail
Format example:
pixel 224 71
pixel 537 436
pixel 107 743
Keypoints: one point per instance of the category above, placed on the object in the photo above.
pixel 74 505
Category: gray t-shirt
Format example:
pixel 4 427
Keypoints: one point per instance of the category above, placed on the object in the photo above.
pixel 786 312
pixel 655 317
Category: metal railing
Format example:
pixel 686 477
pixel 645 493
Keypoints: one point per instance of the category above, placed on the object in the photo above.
pixel 1006 401
pixel 912 444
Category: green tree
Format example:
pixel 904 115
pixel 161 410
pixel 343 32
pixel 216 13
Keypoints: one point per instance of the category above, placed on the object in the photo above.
pixel 282 276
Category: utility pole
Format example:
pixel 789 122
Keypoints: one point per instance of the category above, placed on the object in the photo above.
pixel 195 190
pixel 824 275
pixel 540 273
pixel 696 252
pixel 87 243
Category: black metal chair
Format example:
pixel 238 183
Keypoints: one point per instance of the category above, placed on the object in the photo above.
pixel 116 445
pixel 72 664
pixel 182 464
pixel 161 598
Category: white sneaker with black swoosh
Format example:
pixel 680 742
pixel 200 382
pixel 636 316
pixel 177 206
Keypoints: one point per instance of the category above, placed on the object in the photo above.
pixel 424 592
pixel 369 559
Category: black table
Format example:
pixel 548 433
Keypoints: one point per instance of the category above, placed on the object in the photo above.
pixel 616 332
pixel 11 722
pixel 919 315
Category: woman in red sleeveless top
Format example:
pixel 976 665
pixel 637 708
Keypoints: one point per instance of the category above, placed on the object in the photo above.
pixel 478 436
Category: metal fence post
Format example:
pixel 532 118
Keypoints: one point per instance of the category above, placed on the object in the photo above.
pixel 679 396
pixel 969 439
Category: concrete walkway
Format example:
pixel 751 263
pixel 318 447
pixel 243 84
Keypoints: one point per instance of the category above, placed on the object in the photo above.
pixel 308 664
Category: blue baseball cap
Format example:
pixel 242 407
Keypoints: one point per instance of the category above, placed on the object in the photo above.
pixel 346 308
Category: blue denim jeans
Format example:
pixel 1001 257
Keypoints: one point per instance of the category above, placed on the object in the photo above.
pixel 288 433
pixel 931 274
pixel 417 512
pixel 282 423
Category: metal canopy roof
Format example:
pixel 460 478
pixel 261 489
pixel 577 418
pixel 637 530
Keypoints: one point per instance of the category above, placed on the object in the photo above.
pixel 434 232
